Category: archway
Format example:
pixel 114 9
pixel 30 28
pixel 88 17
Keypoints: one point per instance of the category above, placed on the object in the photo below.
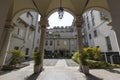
pixel 59 38
pixel 71 5
pixel 24 29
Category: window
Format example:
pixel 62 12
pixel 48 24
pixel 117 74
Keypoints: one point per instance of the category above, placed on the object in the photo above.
pixel 95 33
pixel 27 51
pixel 88 23
pixel 39 29
pixel 88 26
pixel 28 14
pixel 46 43
pixel 18 31
pixel 93 20
pixel 102 15
pixel 90 36
pixel 108 43
pixel 16 48
pixel 58 43
pixel 51 42
pixel 65 42
pixel 21 32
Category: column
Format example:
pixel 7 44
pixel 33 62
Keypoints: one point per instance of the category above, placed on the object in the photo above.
pixel 115 14
pixel 78 24
pixel 5 42
pixel 44 24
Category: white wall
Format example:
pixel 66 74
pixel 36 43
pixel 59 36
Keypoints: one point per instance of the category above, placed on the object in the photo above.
pixel 103 30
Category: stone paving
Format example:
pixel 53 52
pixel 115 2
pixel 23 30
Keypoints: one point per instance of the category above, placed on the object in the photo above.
pixel 60 71
pixel 50 62
pixel 71 63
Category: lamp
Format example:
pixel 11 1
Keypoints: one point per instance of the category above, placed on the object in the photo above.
pixel 60 11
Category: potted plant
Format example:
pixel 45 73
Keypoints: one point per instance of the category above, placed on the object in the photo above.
pixel 83 60
pixel 37 61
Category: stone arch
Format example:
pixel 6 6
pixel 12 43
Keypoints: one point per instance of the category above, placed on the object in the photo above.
pixel 65 9
pixel 20 12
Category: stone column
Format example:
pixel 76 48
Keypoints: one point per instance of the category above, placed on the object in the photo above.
pixel 4 42
pixel 115 14
pixel 44 24
pixel 78 24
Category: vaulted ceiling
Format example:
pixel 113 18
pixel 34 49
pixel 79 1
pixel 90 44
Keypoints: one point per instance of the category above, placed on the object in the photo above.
pixel 45 7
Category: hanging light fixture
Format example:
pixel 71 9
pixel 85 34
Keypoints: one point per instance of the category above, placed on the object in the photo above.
pixel 60 11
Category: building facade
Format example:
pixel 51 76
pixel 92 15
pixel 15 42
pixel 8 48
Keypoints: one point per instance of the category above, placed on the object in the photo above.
pixel 60 42
pixel 26 33
pixel 98 31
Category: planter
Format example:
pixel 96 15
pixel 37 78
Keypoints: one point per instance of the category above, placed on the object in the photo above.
pixel 9 67
pixel 85 69
pixel 37 68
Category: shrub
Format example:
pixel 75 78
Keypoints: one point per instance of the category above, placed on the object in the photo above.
pixel 83 58
pixel 98 64
pixel 93 53
pixel 17 57
pixel 75 57
pixel 80 58
pixel 115 65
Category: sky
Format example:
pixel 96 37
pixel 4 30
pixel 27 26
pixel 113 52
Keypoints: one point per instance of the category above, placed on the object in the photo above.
pixel 65 21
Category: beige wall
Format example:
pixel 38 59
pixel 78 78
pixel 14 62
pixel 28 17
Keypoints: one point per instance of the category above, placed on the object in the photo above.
pixel 64 44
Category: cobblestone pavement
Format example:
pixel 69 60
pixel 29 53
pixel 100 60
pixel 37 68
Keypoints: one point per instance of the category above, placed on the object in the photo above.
pixel 61 71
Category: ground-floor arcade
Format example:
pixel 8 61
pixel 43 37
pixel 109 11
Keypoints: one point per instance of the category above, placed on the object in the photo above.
pixel 7 26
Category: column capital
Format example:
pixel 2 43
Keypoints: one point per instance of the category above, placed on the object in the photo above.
pixel 44 22
pixel 9 25
pixel 78 21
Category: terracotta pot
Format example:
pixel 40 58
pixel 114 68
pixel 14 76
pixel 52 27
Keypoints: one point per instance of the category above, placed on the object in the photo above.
pixel 85 69
pixel 37 68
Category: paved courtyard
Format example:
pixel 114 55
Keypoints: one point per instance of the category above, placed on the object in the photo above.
pixel 59 69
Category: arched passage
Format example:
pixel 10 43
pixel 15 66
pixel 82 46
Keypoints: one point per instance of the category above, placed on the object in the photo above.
pixel 44 8
pixel 24 30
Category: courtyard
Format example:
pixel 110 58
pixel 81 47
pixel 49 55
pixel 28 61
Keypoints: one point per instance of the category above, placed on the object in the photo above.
pixel 59 69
